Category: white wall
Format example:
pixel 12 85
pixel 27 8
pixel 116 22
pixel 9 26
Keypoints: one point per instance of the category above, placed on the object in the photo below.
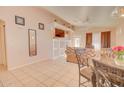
pixel 82 33
pixel 120 33
pixel 17 36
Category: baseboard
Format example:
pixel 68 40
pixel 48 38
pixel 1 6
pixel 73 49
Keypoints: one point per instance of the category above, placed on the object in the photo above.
pixel 9 69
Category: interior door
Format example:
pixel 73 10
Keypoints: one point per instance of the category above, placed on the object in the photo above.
pixel 88 39
pixel 105 39
pixel 2 45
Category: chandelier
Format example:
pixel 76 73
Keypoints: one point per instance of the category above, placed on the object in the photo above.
pixel 118 12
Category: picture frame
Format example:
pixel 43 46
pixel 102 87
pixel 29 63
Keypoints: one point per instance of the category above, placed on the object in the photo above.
pixel 41 26
pixel 20 20
pixel 32 42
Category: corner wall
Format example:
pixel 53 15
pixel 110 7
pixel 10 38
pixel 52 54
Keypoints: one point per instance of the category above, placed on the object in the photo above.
pixel 17 36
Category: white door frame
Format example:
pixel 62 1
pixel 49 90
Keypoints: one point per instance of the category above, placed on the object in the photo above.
pixel 79 40
pixel 3 44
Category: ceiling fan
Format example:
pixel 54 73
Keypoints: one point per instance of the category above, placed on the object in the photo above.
pixel 83 22
pixel 86 21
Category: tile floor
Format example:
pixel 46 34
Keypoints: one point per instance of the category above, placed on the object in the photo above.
pixel 2 68
pixel 52 73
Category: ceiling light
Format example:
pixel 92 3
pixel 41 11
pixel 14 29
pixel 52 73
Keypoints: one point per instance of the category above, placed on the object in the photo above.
pixel 122 12
pixel 118 12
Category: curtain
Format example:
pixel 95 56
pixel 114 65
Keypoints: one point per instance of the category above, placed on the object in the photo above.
pixel 97 40
pixel 105 39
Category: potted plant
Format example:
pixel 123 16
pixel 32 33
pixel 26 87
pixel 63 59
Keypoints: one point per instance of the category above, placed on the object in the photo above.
pixel 119 52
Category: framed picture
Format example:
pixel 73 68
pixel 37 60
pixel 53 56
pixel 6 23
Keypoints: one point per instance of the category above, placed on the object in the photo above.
pixel 19 20
pixel 41 26
pixel 32 42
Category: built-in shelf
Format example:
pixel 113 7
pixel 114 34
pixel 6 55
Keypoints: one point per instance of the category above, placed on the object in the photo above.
pixel 59 26
pixel 59 46
pixel 60 43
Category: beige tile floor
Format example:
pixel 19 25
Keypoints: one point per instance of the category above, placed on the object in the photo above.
pixel 2 67
pixel 52 73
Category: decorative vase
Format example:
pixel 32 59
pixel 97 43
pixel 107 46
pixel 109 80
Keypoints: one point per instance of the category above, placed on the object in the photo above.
pixel 119 60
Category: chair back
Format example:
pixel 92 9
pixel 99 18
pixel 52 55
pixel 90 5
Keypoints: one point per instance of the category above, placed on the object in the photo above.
pixel 89 46
pixel 106 52
pixel 69 50
pixel 83 56
pixel 80 55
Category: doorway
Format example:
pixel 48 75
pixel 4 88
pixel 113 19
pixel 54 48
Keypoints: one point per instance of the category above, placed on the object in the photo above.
pixel 3 61
pixel 76 41
pixel 88 40
pixel 105 39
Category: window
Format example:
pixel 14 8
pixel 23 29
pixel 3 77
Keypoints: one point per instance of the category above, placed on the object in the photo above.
pixel 97 40
pixel 77 42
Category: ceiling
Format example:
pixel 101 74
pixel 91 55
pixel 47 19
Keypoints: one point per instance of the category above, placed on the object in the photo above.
pixel 84 15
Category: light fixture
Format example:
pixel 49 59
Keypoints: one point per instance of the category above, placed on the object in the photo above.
pixel 118 12
pixel 121 12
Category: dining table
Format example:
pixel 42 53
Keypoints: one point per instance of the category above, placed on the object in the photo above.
pixel 111 65
pixel 107 60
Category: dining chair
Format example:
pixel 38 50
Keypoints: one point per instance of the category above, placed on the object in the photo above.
pixel 89 46
pixel 70 55
pixel 84 68
pixel 108 76
pixel 106 52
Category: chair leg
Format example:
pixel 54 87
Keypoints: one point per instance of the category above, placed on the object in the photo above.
pixel 93 80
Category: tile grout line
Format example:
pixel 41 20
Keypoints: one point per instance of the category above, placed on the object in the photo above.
pixel 34 78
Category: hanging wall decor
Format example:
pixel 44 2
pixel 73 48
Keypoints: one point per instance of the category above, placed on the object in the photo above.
pixel 32 42
pixel 41 26
pixel 19 20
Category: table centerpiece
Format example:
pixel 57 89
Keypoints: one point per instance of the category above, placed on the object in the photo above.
pixel 118 51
